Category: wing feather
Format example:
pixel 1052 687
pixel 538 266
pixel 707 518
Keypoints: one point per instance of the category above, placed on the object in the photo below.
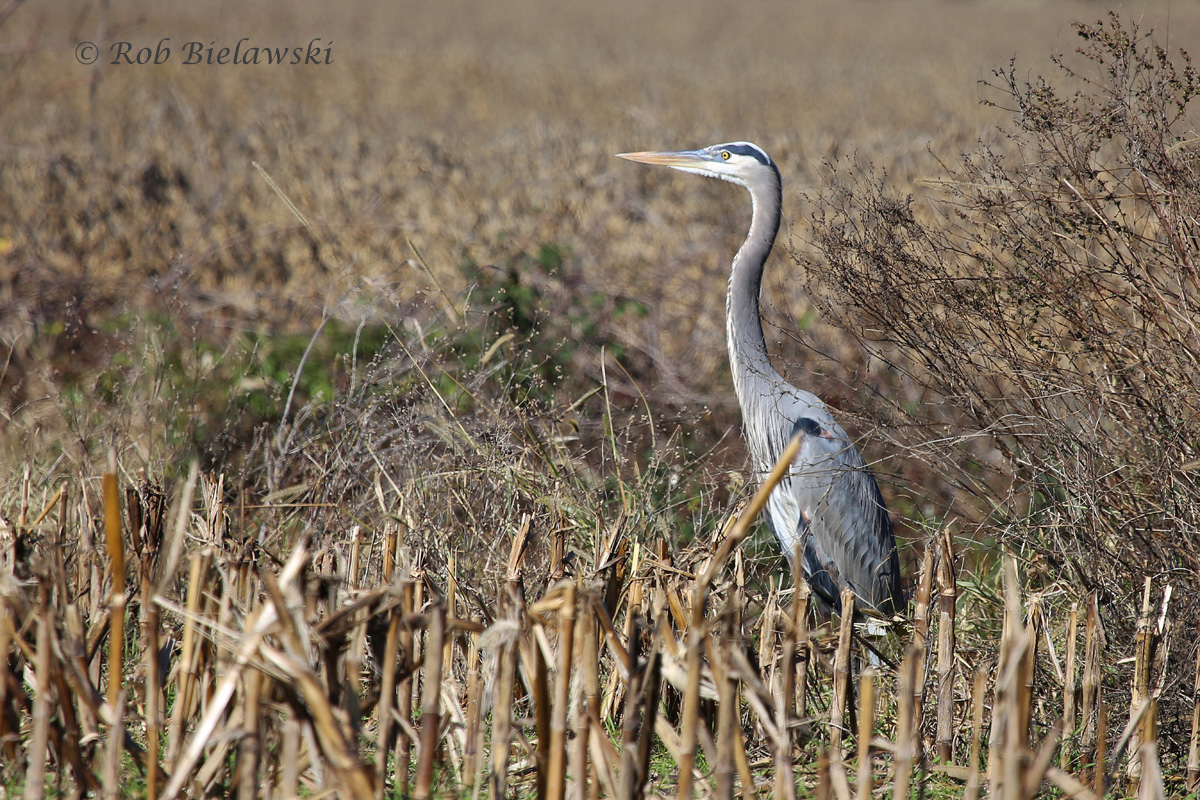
pixel 831 503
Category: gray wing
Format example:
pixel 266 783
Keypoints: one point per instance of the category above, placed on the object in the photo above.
pixel 830 503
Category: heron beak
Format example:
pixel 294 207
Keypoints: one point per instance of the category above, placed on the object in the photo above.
pixel 669 158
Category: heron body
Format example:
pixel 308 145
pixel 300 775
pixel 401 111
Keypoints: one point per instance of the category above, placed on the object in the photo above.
pixel 828 505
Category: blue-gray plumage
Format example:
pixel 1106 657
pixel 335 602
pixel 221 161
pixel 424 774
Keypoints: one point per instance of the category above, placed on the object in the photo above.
pixel 829 503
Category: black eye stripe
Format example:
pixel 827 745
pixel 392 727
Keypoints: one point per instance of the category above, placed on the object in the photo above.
pixel 746 149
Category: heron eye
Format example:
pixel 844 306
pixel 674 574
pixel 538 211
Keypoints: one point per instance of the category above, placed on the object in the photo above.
pixel 725 154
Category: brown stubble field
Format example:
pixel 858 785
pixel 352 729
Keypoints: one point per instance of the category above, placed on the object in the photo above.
pixel 467 135
pixel 471 133
pixel 451 180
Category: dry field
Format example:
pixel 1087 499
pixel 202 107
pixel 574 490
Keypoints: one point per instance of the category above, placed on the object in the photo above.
pixel 311 369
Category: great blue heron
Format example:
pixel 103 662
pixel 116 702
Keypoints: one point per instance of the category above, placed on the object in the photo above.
pixel 829 503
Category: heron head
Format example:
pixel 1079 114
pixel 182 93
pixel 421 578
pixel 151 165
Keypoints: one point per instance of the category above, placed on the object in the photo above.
pixel 739 162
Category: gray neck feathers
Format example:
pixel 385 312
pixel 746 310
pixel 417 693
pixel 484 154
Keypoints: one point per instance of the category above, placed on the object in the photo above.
pixel 748 359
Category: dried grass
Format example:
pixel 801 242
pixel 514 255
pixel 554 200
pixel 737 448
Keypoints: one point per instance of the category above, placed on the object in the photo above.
pixel 494 550
pixel 281 641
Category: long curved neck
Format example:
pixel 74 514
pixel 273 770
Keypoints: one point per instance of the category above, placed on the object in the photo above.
pixel 748 359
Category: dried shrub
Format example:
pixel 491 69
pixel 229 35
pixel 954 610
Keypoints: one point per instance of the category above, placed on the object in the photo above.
pixel 1044 310
pixel 462 439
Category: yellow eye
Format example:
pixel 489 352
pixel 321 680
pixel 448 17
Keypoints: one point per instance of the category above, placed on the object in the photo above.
pixel 725 154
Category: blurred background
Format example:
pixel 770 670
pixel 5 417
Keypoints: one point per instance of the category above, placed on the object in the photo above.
pixel 314 277
pixel 440 147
